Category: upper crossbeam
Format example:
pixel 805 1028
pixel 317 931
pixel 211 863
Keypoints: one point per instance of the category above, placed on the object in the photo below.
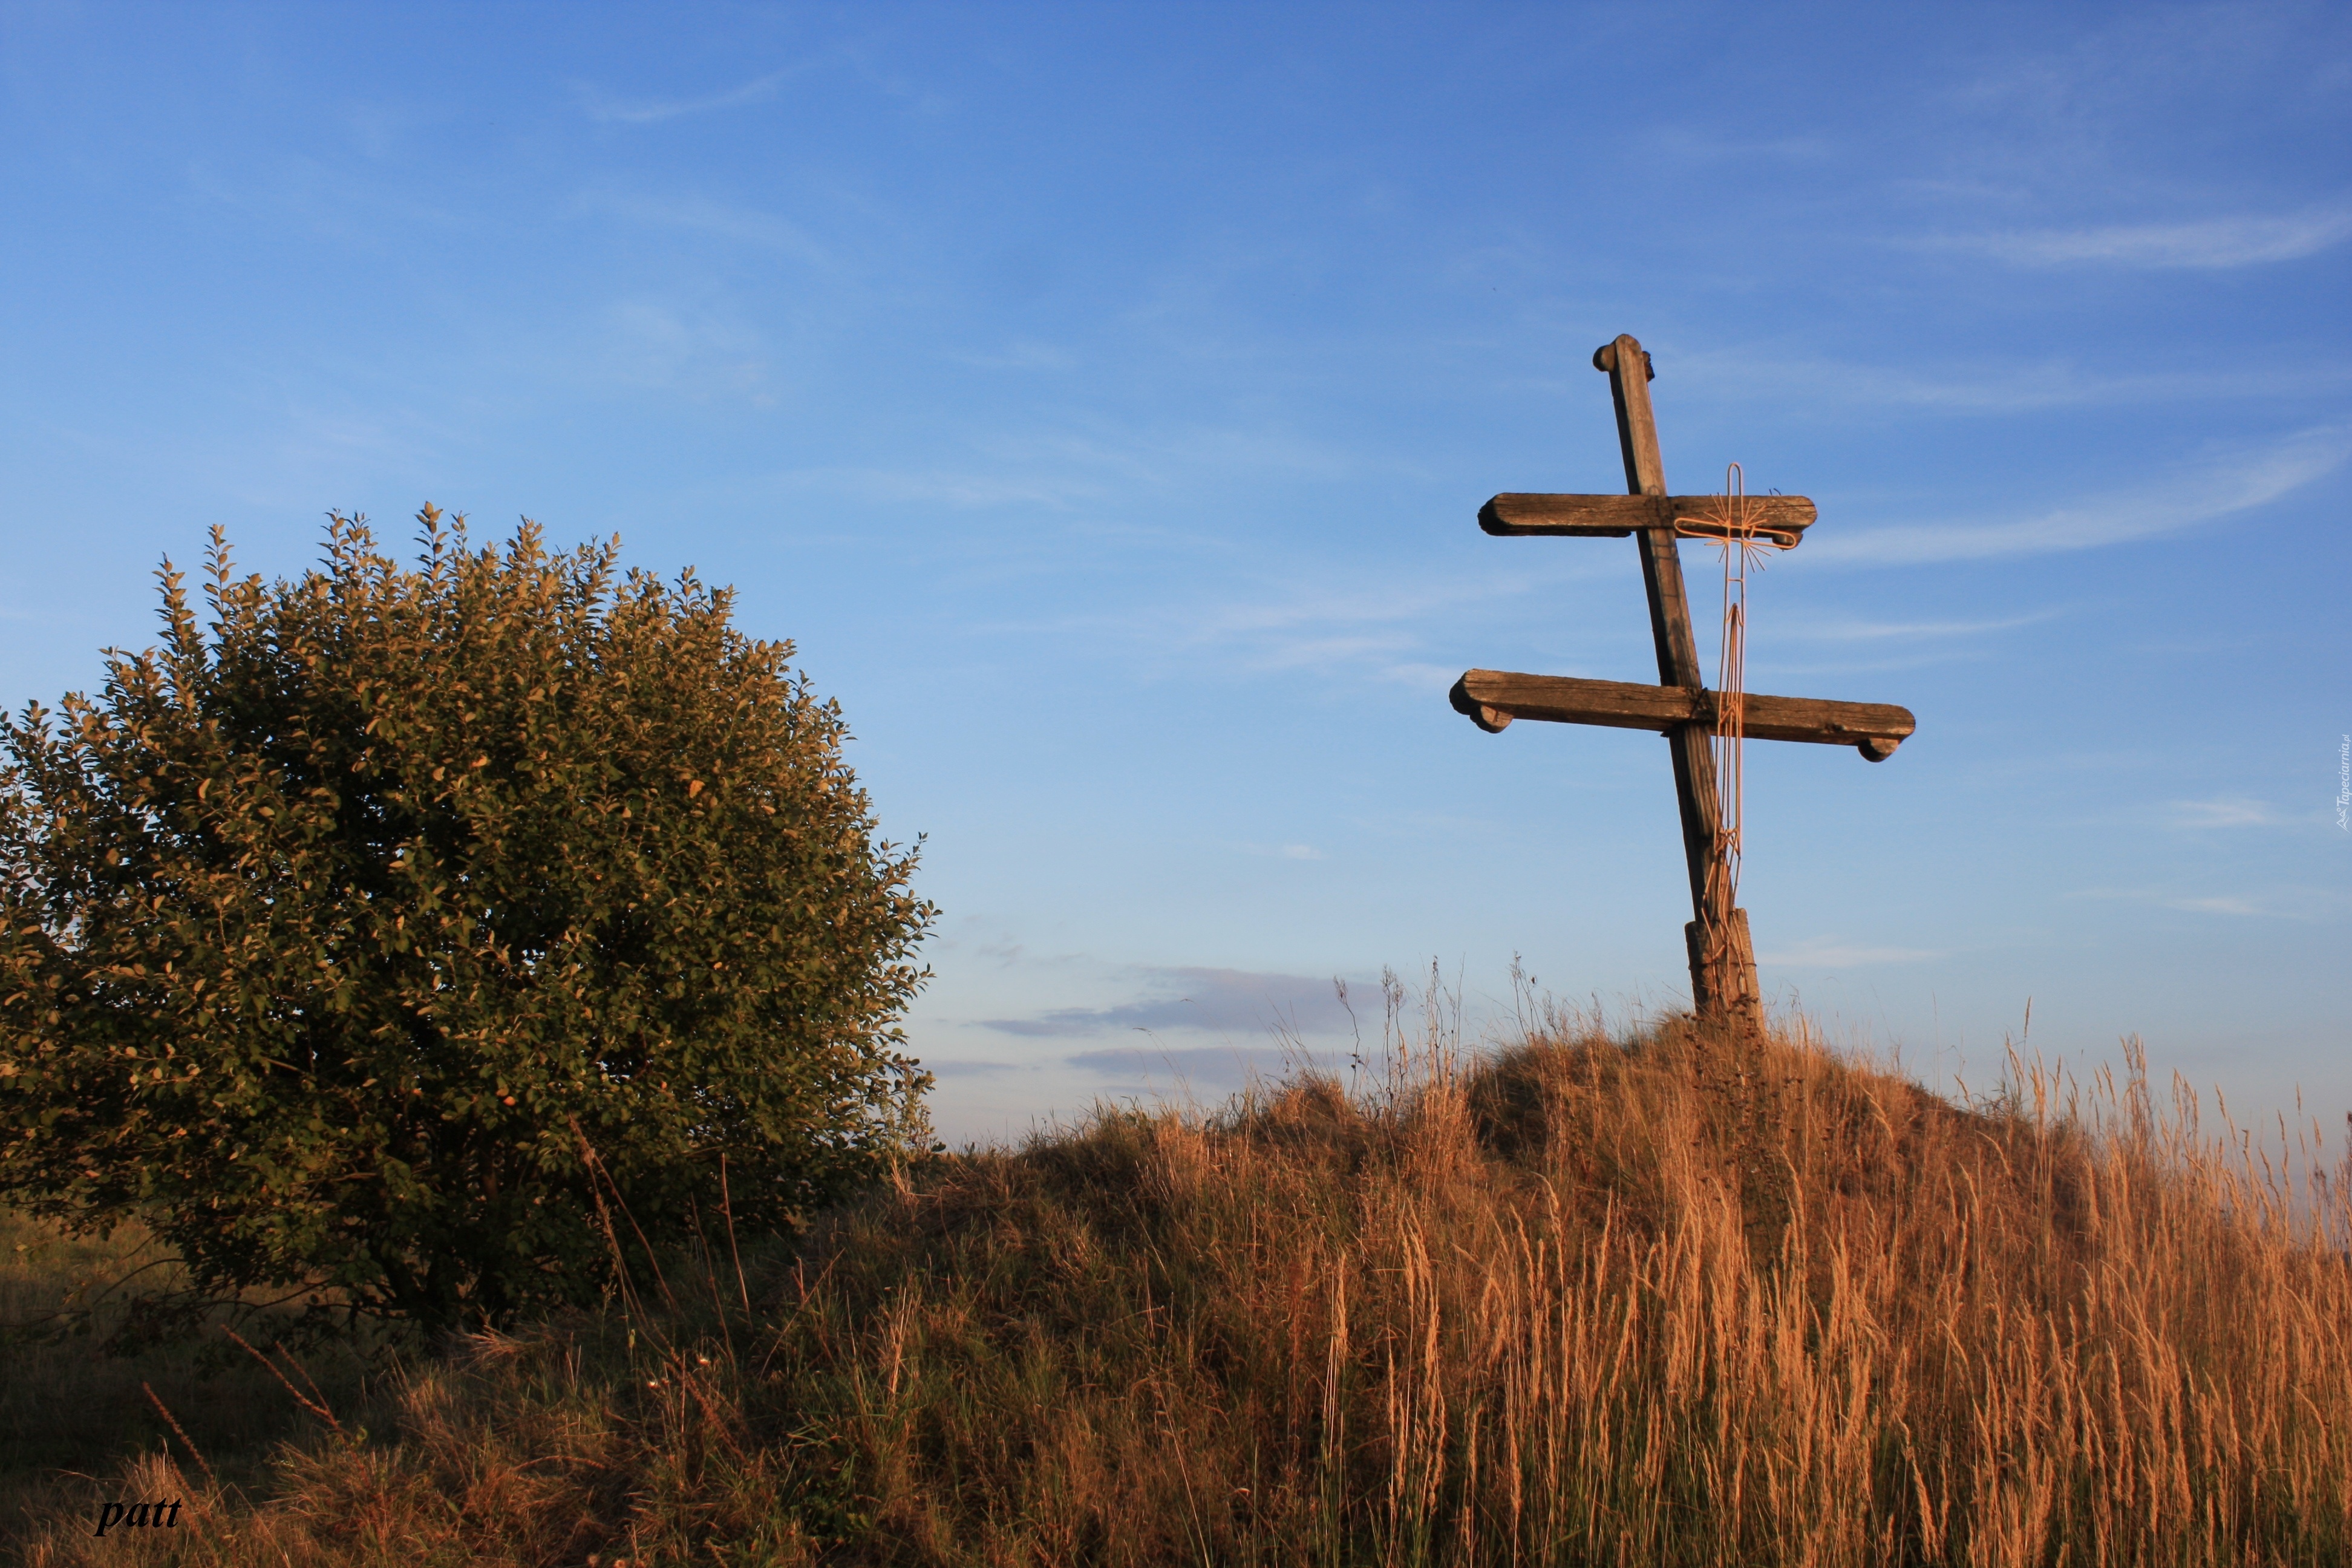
pixel 1780 518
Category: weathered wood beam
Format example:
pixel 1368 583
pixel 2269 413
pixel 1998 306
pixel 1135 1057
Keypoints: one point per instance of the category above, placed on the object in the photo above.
pixel 1723 971
pixel 1784 519
pixel 1492 698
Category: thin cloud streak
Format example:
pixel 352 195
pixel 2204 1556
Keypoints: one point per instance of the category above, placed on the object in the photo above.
pixel 1882 631
pixel 642 113
pixel 1992 388
pixel 1283 851
pixel 699 214
pixel 2230 812
pixel 1196 999
pixel 1219 1067
pixel 1377 629
pixel 967 1069
pixel 2208 244
pixel 960 490
pixel 2233 485
pixel 2283 903
pixel 1828 952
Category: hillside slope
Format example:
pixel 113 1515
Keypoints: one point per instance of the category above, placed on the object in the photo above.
pixel 1656 1301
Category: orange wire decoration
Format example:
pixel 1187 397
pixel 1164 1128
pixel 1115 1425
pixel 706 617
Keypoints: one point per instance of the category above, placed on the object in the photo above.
pixel 1734 532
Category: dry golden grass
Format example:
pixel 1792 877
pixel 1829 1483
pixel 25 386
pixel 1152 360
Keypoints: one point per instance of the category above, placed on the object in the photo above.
pixel 1665 1300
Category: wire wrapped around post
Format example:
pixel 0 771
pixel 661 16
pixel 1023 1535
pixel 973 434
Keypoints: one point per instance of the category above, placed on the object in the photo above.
pixel 1732 529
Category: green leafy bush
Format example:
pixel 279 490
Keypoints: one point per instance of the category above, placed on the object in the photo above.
pixel 427 940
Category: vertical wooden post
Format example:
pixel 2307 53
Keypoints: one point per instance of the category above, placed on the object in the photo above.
pixel 1722 958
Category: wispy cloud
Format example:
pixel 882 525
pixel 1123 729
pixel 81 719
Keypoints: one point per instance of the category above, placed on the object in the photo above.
pixel 1997 386
pixel 656 343
pixel 1867 647
pixel 1283 851
pixel 950 488
pixel 2282 903
pixel 1420 675
pixel 701 214
pixel 647 112
pixel 1829 953
pixel 2203 244
pixel 1903 631
pixel 1206 1067
pixel 1272 625
pixel 2228 812
pixel 952 1069
pixel 2235 482
pixel 1049 461
pixel 1020 354
pixel 1212 1000
pixel 1380 630
pixel 1681 142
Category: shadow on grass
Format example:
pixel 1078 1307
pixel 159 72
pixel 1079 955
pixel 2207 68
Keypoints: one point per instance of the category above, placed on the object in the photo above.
pixel 71 1414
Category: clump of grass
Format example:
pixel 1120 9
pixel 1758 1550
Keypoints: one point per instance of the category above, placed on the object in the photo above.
pixel 1676 1299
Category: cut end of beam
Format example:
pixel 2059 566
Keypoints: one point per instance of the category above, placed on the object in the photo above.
pixel 1494 720
pixel 1604 358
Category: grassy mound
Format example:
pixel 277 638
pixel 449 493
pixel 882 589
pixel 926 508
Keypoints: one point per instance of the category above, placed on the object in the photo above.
pixel 1662 1301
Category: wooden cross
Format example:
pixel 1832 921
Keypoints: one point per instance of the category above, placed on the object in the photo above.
pixel 1722 957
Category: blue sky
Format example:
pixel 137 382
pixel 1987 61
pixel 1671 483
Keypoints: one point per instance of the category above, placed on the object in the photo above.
pixel 1102 399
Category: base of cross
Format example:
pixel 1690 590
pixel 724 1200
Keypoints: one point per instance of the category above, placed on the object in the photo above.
pixel 1723 974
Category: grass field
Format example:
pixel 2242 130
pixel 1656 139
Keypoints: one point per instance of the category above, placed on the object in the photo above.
pixel 1590 1300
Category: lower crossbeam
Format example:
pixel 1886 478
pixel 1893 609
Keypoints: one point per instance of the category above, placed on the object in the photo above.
pixel 1492 698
